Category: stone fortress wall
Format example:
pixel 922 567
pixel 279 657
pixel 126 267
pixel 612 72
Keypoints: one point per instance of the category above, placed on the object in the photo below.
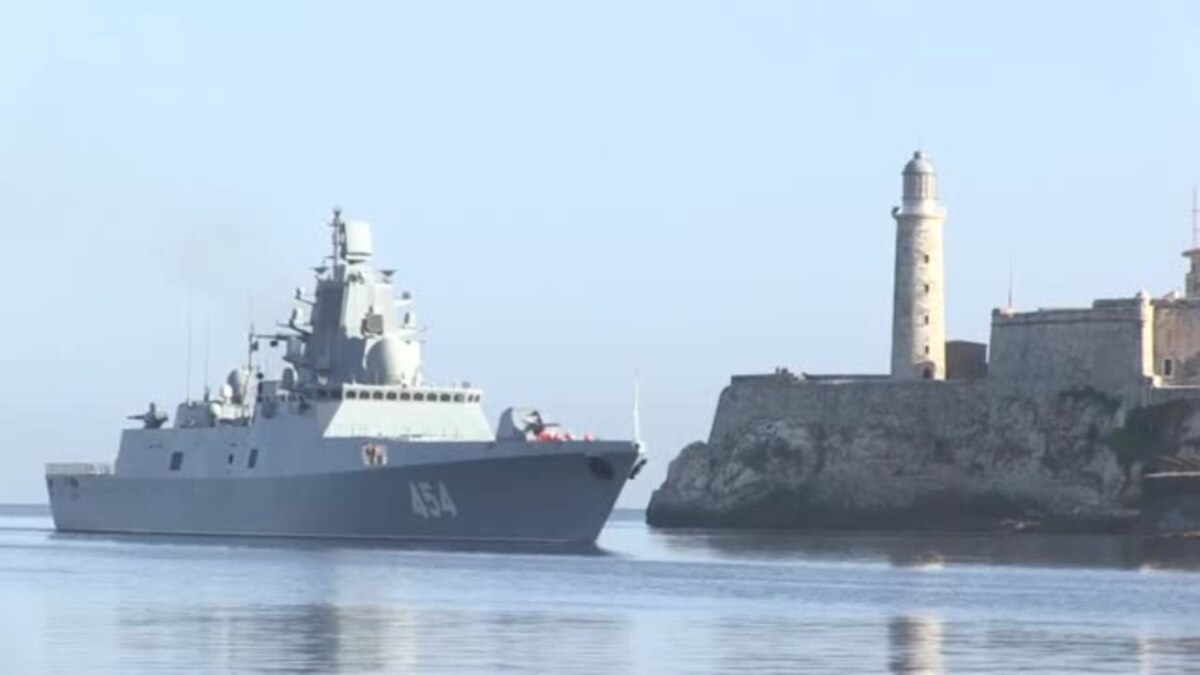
pixel 1053 427
pixel 1107 346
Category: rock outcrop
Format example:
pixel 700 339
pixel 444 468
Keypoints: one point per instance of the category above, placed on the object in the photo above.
pixel 788 453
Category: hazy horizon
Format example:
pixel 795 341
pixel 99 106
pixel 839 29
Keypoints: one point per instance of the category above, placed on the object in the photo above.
pixel 573 192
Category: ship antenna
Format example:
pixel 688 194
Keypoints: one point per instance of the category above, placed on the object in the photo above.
pixel 637 417
pixel 206 345
pixel 251 345
pixel 336 225
pixel 187 380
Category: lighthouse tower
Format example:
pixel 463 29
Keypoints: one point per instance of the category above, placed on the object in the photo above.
pixel 919 305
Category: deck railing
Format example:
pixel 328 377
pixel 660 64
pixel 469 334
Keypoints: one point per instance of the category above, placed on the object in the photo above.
pixel 78 469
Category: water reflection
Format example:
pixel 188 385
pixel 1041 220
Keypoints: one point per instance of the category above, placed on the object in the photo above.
pixel 661 602
pixel 306 638
pixel 1161 654
pixel 915 644
pixel 363 638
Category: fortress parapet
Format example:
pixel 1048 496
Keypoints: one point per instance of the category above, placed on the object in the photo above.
pixel 1108 346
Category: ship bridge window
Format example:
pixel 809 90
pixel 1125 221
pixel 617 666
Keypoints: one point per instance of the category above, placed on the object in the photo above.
pixel 418 396
pixel 445 398
pixel 405 396
pixel 391 396
pixel 459 398
pixel 176 460
pixel 378 396
pixel 335 394
pixel 321 393
pixel 351 394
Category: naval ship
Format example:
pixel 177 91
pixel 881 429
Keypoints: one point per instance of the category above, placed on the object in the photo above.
pixel 349 441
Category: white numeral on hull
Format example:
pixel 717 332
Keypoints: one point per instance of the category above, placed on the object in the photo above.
pixel 431 500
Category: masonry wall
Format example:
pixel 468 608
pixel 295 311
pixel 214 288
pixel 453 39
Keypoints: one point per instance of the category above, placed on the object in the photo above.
pixel 1108 347
pixel 966 360
pixel 919 299
pixel 1177 338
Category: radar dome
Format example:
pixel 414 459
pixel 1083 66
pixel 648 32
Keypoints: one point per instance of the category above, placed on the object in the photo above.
pixel 394 360
pixel 238 381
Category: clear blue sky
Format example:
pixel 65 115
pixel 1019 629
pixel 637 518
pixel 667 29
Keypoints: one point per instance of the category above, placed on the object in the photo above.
pixel 572 190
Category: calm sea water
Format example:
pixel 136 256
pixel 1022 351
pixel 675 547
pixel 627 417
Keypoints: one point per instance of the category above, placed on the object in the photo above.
pixel 642 600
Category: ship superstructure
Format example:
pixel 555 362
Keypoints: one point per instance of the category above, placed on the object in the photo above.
pixel 349 441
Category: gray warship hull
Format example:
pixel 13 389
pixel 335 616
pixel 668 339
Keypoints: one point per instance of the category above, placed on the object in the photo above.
pixel 560 497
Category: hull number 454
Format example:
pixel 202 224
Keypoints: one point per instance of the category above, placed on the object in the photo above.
pixel 432 500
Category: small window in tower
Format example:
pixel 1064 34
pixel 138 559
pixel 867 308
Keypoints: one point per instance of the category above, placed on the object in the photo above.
pixel 927 374
pixel 1168 367
pixel 926 257
pixel 926 319
pixel 253 460
pixel 926 288
pixel 176 460
pixel 926 350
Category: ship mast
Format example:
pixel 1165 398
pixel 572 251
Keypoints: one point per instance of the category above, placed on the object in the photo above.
pixel 336 235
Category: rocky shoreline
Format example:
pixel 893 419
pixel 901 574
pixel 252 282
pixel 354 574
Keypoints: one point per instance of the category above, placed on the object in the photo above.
pixel 949 456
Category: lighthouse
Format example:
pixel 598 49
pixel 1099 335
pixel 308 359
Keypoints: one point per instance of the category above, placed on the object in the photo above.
pixel 919 304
